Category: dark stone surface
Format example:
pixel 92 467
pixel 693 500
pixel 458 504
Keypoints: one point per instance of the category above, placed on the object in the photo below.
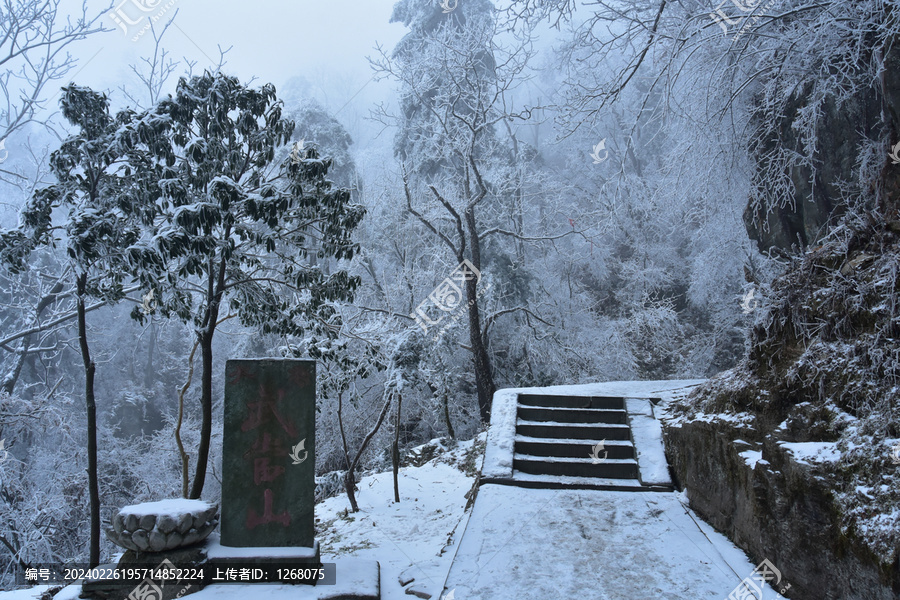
pixel 267 500
pixel 781 510
pixel 817 201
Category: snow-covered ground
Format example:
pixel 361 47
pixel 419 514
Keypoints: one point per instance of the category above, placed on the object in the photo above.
pixel 518 543
pixel 413 537
pixel 532 544
pixel 416 537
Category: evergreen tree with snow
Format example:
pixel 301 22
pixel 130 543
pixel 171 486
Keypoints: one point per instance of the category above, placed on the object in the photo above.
pixel 237 230
pixel 88 210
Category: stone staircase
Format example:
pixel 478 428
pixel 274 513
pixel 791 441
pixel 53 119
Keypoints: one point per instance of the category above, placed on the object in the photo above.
pixel 557 435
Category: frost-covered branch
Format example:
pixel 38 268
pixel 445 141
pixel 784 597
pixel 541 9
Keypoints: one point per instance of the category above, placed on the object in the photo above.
pixel 35 36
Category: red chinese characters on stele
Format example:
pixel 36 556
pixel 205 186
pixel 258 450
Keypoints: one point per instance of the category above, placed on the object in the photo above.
pixel 269 449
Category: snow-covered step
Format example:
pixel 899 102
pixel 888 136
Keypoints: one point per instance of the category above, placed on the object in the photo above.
pixel 571 447
pixel 564 481
pixel 607 402
pixel 615 468
pixel 586 431
pixel 572 415
pixel 579 442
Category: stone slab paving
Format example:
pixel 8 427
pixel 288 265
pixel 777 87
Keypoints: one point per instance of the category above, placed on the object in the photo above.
pixel 522 544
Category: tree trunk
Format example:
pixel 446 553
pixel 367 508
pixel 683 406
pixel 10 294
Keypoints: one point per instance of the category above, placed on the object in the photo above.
pixel 206 409
pixel 149 371
pixel 89 368
pixel 351 465
pixel 9 383
pixel 445 405
pixel 446 402
pixel 349 485
pixel 214 293
pixel 185 459
pixel 484 376
pixel 395 450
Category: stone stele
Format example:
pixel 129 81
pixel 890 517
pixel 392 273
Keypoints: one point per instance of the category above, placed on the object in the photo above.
pixel 268 462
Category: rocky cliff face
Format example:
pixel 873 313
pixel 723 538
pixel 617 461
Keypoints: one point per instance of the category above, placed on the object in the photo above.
pixel 845 128
pixel 776 508
pixel 795 454
pixel 817 198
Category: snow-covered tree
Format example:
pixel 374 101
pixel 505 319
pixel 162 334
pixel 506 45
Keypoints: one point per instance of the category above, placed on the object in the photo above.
pixel 235 228
pixel 97 226
pixel 34 52
pixel 454 76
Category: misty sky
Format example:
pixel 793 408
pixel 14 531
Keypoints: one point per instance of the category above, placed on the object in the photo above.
pixel 325 41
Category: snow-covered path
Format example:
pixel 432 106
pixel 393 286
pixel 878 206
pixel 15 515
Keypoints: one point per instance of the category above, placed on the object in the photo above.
pixel 527 544
pixel 515 543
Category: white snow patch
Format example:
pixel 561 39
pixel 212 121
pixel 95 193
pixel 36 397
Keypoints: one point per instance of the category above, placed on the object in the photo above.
pixel 26 594
pixel 813 452
pixel 647 434
pixel 418 535
pixel 70 592
pixel 535 543
pixel 172 507
pixel 214 549
pixel 751 457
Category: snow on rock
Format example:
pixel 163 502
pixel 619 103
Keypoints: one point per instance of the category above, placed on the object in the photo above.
pixel 813 452
pixel 751 457
pixel 70 592
pixel 214 549
pixel 741 419
pixel 498 455
pixel 172 507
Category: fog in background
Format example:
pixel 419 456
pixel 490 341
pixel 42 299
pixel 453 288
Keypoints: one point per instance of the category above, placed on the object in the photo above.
pixel 271 40
pixel 306 49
